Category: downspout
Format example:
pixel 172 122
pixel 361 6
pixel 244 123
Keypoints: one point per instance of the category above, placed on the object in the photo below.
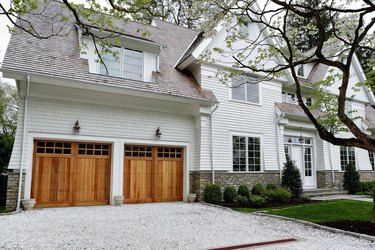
pixel 277 143
pixel 330 163
pixel 23 142
pixel 212 145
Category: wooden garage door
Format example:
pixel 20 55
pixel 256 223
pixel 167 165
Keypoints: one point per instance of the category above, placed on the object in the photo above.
pixel 153 174
pixel 70 173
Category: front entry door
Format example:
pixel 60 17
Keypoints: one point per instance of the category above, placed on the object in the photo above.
pixel 302 155
pixel 303 160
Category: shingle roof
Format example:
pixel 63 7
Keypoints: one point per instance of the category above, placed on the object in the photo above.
pixel 60 57
pixel 295 110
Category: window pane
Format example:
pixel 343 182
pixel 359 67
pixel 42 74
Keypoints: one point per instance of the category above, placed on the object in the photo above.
pixel 253 154
pixel 238 90
pixel 112 62
pixel 253 92
pixel 239 153
pixel 132 64
pixel 308 162
pixel 371 156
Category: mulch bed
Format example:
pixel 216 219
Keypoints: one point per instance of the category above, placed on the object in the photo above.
pixel 293 201
pixel 363 227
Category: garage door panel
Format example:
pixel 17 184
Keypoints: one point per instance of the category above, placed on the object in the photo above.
pixel 138 181
pixel 161 180
pixel 92 180
pixel 51 178
pixel 63 176
pixel 168 180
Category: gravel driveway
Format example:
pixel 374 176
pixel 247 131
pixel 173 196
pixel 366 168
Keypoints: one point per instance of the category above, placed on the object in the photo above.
pixel 158 226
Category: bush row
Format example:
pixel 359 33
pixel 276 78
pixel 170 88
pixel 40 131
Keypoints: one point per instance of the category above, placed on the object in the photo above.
pixel 257 196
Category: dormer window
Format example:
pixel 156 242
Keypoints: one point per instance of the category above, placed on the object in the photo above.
pixel 124 62
pixel 300 71
pixel 245 89
pixel 244 29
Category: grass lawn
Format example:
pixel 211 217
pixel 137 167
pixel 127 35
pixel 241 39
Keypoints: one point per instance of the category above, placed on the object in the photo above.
pixel 338 210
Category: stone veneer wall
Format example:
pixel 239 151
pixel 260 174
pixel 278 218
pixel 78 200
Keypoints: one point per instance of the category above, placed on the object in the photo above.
pixel 198 180
pixel 12 190
pixel 324 178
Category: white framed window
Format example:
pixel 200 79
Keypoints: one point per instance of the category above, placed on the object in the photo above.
pixel 349 108
pixel 308 101
pixel 288 98
pixel 301 71
pixel 371 156
pixel 245 89
pixel 244 28
pixel 347 156
pixel 246 153
pixel 128 63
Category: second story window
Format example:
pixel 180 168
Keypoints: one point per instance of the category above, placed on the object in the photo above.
pixel 126 63
pixel 301 71
pixel 245 89
pixel 289 98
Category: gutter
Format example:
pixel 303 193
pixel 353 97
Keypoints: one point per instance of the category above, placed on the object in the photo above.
pixel 23 142
pixel 277 143
pixel 212 145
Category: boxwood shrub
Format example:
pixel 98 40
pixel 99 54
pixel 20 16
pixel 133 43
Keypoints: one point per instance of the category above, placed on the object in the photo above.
pixel 244 191
pixel 257 189
pixel 279 195
pixel 230 194
pixel 257 201
pixel 212 194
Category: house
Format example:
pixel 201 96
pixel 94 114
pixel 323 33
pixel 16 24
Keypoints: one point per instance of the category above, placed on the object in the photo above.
pixel 158 125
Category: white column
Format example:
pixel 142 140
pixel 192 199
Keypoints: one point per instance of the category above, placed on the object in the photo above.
pixel 117 170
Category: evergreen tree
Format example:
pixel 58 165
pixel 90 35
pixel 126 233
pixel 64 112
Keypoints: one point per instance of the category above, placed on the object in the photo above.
pixel 291 178
pixel 351 179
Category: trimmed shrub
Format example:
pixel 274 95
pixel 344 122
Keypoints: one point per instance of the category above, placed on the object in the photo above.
pixel 212 194
pixel 279 195
pixel 359 193
pixel 257 189
pixel 230 194
pixel 257 201
pixel 370 193
pixel 244 191
pixel 291 178
pixel 351 179
pixel 304 197
pixel 240 200
pixel 271 186
pixel 367 186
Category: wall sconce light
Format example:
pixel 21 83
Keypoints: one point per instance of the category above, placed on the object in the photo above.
pixel 158 133
pixel 300 137
pixel 76 128
pixel 290 140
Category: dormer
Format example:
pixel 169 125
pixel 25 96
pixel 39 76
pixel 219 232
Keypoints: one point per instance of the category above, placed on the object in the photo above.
pixel 132 58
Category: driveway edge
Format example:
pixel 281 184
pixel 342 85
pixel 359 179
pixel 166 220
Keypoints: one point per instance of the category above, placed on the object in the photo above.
pixel 314 225
pixel 306 223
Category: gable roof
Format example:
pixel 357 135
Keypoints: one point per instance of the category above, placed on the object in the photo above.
pixel 60 57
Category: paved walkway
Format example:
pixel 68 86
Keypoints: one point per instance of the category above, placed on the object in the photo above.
pixel 343 197
pixel 160 226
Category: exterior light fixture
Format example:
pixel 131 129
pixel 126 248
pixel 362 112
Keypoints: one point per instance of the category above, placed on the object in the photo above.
pixel 158 133
pixel 76 128
pixel 290 140
pixel 300 137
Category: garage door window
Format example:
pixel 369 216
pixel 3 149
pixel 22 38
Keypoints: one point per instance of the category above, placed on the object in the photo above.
pixel 45 147
pixel 93 149
pixel 138 151
pixel 165 152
